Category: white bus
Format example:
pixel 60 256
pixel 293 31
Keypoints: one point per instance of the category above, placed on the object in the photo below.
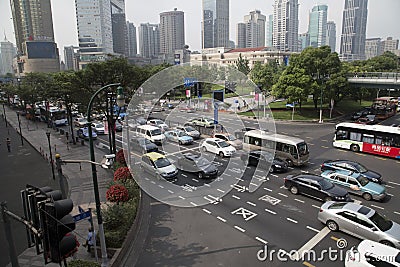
pixel 374 139
pixel 293 150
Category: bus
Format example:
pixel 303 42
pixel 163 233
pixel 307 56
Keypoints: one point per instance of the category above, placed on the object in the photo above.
pixel 57 117
pixel 293 150
pixel 374 139
pixel 385 107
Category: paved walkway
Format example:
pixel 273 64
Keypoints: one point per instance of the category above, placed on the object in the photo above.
pixel 80 186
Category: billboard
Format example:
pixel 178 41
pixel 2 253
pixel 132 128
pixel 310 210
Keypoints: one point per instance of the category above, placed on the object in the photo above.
pixel 41 50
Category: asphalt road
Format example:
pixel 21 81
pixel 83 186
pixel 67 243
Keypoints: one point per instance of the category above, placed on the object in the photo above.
pixel 269 216
pixel 22 166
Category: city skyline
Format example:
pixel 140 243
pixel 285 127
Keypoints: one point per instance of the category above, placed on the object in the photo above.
pixel 64 17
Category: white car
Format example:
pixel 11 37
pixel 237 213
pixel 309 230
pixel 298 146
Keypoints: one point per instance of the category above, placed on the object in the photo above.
pixel 158 123
pixel 98 127
pixel 370 253
pixel 218 146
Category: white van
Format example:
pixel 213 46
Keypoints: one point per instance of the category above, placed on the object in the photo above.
pixel 152 133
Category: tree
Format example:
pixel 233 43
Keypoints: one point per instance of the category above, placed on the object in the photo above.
pixel 242 64
pixel 265 75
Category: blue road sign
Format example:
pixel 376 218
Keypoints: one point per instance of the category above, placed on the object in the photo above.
pixel 82 216
pixel 188 82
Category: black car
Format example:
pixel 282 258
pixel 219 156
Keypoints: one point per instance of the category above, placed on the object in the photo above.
pixel 316 187
pixel 264 159
pixel 352 166
pixel 197 164
pixel 362 113
pixel 143 145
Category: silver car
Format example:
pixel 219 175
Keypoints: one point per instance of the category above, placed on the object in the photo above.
pixel 360 221
pixel 189 130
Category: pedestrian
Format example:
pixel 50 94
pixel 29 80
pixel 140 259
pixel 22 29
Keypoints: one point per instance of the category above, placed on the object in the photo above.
pixel 90 239
pixel 8 141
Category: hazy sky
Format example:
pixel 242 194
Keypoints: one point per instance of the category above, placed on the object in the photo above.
pixel 383 17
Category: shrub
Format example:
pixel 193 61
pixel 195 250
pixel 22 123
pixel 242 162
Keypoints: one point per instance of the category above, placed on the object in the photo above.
pixel 122 174
pixel 83 263
pixel 117 193
pixel 120 157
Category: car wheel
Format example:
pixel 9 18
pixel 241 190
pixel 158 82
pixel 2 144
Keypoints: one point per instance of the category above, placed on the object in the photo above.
pixel 328 199
pixel 289 162
pixel 200 175
pixel 387 243
pixel 294 190
pixel 367 196
pixel 332 226
pixel 355 148
pixel 221 154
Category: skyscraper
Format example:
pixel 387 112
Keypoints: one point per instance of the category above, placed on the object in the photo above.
pixel 373 47
pixel 119 30
pixel 33 27
pixel 172 31
pixel 304 40
pixel 71 57
pixel 7 54
pixel 317 25
pixel 354 26
pixel 270 30
pixel 94 30
pixel 215 24
pixel 331 35
pixel 255 23
pixel 149 40
pixel 132 39
pixel 286 25
pixel 241 35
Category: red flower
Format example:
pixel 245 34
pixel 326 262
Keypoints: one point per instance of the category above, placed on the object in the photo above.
pixel 117 193
pixel 120 157
pixel 122 174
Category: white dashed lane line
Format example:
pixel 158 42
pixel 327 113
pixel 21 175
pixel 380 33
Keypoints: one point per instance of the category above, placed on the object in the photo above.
pixel 240 229
pixel 396 212
pixel 312 229
pixel 181 197
pixel 291 220
pixel 253 184
pixel 195 180
pixel 299 200
pixel 315 206
pixel 274 175
pixel 261 240
pixel 171 192
pixel 207 211
pixel 194 204
pixel 269 190
pixel 219 190
pixel 184 175
pixel 251 203
pixel 282 195
pixel 270 211
pixel 234 196
pixel 221 219
pixel 390 182
pixel 389 186
pixel 378 207
pixel 160 186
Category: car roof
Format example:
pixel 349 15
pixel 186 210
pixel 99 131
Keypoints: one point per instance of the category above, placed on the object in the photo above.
pixel 341 160
pixel 154 156
pixel 309 176
pixel 214 139
pixel 191 155
pixel 357 208
pixel 343 172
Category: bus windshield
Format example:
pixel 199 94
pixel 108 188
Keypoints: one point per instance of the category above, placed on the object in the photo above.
pixel 302 148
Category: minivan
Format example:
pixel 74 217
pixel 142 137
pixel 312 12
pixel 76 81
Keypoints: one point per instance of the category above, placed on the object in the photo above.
pixel 152 133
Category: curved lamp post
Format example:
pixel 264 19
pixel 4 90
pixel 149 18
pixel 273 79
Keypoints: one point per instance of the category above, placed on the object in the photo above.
pixel 20 131
pixel 120 102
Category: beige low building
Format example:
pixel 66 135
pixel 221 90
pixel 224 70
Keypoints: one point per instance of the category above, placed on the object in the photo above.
pixel 221 56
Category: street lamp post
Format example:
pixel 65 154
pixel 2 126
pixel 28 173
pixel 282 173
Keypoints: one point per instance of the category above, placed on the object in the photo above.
pixel 51 155
pixel 120 102
pixel 5 115
pixel 320 109
pixel 20 131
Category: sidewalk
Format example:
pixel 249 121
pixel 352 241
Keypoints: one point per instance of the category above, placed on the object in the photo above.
pixel 80 185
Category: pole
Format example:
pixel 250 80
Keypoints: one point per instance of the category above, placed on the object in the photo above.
pixel 20 131
pixel 5 115
pixel 258 106
pixel 94 235
pixel 320 109
pixel 9 236
pixel 60 175
pixel 51 155
pixel 94 175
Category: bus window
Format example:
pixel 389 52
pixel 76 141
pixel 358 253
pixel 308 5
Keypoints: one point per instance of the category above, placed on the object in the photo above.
pixel 355 136
pixel 378 140
pixel 302 148
pixel 268 144
pixel 255 141
pixel 368 138
pixel 341 135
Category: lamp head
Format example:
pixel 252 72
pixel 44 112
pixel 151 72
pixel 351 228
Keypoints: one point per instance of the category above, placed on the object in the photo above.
pixel 120 97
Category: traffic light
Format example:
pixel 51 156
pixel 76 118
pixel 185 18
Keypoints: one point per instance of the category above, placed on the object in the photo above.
pixel 199 90
pixel 58 224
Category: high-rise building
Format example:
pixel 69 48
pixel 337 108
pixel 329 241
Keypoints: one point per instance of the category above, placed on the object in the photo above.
pixel 270 30
pixel 7 54
pixel 373 47
pixel 331 35
pixel 354 27
pixel 241 35
pixel 71 57
pixel 390 44
pixel 94 30
pixel 33 27
pixel 304 40
pixel 132 39
pixel 149 40
pixel 215 24
pixel 317 25
pixel 172 31
pixel 286 25
pixel 255 29
pixel 119 30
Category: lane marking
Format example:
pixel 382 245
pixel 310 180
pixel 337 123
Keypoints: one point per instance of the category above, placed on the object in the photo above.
pixel 315 206
pixel 396 212
pixel 270 211
pixel 274 175
pixel 261 240
pixel 251 203
pixel 324 140
pixel 240 179
pixel 207 211
pixel 171 192
pixel 207 185
pixel 195 180
pixel 390 194
pixel 312 229
pixel 253 184
pixel 160 186
pixel 299 200
pixel 234 196
pixel 389 186
pixel 270 190
pixel 282 195
pixel 184 175
pixel 222 191
pixel 311 243
pixel 291 220
pixel 181 197
pixel 378 207
pixel 393 182
pixel 221 219
pixel 308 264
pixel 240 229
pixel 334 238
pixel 194 204
pixel 324 147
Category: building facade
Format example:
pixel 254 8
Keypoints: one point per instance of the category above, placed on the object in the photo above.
pixel 317 25
pixel 132 39
pixel 354 27
pixel 304 40
pixel 118 25
pixel 270 30
pixel 71 57
pixel 7 55
pixel 241 35
pixel 172 31
pixel 373 47
pixel 331 35
pixel 215 23
pixel 286 25
pixel 390 45
pixel 255 29
pixel 149 40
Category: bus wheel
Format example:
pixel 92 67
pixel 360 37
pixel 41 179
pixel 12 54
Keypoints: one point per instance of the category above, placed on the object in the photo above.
pixel 289 162
pixel 355 148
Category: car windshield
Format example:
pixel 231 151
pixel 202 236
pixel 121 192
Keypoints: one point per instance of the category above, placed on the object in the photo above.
pixel 202 162
pixel 302 148
pixel 363 181
pixel 360 168
pixel 189 129
pixel 222 144
pixel 180 134
pixel 268 157
pixel 231 137
pixel 147 142
pixel 162 162
pixel 156 132
pixel 158 122
pixel 142 141
pixel 325 185
pixel 381 222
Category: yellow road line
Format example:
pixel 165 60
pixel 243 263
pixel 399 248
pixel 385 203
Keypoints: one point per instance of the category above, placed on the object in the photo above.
pixel 334 238
pixel 308 264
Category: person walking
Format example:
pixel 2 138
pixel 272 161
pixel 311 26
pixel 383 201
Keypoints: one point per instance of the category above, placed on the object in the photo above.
pixel 90 239
pixel 8 141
